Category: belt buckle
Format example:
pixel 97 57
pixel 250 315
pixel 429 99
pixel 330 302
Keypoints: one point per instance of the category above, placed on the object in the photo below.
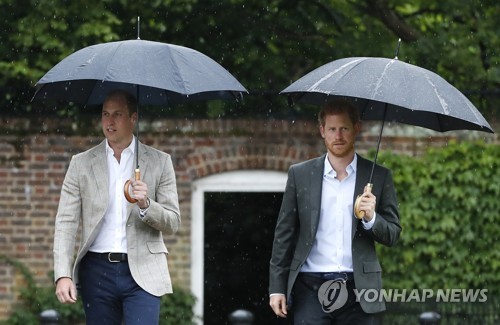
pixel 337 276
pixel 110 260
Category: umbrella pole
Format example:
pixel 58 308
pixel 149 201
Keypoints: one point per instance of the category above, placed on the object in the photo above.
pixel 370 184
pixel 137 132
pixel 378 144
pixel 137 172
pixel 361 213
pixel 397 49
pixel 138 27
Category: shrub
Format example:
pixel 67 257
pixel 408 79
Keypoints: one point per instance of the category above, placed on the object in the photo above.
pixel 175 309
pixel 449 210
pixel 35 299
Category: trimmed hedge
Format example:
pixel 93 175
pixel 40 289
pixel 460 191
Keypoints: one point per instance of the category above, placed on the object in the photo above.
pixel 450 213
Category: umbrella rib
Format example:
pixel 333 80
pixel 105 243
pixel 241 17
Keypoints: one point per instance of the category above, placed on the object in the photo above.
pixel 327 76
pixel 110 58
pixel 119 44
pixel 443 102
pixel 379 80
pixel 178 72
pixel 478 117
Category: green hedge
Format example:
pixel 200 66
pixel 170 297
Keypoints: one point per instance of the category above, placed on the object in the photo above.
pixel 450 213
pixel 176 309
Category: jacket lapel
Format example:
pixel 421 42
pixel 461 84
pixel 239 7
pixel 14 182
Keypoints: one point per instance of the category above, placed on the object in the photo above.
pixel 99 165
pixel 315 185
pixel 143 160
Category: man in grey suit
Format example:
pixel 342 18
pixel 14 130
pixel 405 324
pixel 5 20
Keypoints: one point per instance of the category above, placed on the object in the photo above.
pixel 120 268
pixel 321 251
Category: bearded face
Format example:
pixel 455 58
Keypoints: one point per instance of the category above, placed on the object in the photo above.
pixel 339 135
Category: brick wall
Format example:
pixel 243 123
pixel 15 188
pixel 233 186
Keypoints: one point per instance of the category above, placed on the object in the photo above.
pixel 34 155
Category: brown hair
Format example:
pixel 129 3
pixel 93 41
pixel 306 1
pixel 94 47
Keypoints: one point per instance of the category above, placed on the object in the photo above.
pixel 338 106
pixel 129 98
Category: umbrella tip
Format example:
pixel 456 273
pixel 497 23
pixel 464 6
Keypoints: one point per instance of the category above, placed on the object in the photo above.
pixel 138 27
pixel 397 49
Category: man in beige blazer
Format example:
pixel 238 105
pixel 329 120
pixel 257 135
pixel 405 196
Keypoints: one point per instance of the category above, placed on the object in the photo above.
pixel 120 268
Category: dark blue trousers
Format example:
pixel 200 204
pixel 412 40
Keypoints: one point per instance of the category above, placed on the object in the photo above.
pixel 307 310
pixel 111 296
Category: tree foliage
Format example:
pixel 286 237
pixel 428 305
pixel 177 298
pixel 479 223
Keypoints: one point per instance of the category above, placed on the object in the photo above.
pixel 449 212
pixel 265 44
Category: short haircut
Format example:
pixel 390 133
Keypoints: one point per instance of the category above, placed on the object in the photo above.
pixel 129 99
pixel 338 106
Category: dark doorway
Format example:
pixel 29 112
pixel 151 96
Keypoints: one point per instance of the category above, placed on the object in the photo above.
pixel 239 232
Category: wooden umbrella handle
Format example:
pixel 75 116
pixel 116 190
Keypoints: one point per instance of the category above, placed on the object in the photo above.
pixel 126 187
pixel 357 212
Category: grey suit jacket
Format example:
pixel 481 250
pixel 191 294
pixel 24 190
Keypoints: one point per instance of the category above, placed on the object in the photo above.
pixel 298 221
pixel 84 200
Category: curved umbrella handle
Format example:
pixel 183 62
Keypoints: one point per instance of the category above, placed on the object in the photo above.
pixel 126 187
pixel 357 212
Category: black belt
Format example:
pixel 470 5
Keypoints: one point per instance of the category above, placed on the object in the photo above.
pixel 110 257
pixel 345 276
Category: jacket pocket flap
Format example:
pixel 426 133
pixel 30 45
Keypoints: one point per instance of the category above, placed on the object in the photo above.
pixel 156 247
pixel 372 267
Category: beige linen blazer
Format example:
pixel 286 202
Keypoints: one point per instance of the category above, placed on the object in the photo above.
pixel 84 200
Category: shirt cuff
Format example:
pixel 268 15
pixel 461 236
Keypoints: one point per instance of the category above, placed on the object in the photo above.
pixel 368 225
pixel 142 212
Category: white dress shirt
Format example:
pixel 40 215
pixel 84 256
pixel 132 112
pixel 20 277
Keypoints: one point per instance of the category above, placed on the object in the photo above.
pixel 331 251
pixel 112 236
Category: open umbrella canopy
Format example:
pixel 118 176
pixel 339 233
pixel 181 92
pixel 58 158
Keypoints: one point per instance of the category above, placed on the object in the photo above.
pixel 390 90
pixel 156 73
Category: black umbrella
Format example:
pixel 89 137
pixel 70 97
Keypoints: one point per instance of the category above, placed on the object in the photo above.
pixel 156 73
pixel 390 90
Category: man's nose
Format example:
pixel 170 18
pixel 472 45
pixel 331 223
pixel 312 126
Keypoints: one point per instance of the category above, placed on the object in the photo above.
pixel 109 120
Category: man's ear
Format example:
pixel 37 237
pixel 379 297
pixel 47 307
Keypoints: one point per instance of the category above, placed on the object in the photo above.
pixel 357 127
pixel 322 131
pixel 134 117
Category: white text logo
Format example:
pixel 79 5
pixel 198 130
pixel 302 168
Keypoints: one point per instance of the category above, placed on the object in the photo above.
pixel 422 295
